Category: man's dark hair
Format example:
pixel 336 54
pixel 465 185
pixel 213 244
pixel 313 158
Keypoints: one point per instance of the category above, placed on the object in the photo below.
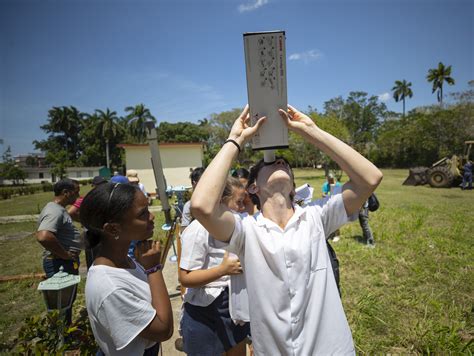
pixel 254 170
pixel 196 174
pixel 64 184
pixel 108 202
pixel 241 173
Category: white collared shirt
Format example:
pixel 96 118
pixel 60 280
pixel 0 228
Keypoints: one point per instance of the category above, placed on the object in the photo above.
pixel 198 251
pixel 295 308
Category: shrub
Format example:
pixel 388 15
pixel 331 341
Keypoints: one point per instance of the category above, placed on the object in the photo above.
pixel 47 187
pixel 5 193
pixel 45 333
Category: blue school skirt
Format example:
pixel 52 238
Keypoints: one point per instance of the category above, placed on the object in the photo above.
pixel 210 330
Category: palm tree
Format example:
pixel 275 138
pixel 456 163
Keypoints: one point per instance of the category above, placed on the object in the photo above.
pixel 69 122
pixel 137 116
pixel 402 90
pixel 438 76
pixel 108 128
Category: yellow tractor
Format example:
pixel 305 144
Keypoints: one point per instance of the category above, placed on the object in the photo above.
pixel 442 174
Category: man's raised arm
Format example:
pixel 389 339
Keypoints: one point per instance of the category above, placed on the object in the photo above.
pixel 364 176
pixel 206 204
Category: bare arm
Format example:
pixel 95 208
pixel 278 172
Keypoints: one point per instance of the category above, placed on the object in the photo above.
pixel 364 176
pixel 205 202
pixel 201 277
pixel 161 327
pixel 73 211
pixel 49 241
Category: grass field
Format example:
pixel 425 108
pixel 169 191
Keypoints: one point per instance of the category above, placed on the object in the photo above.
pixel 412 293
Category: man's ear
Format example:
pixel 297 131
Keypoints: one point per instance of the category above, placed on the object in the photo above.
pixel 112 229
pixel 252 189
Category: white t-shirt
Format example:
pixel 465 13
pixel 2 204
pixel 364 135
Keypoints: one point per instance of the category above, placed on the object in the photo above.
pixel 199 251
pixel 119 306
pixel 186 217
pixel 295 308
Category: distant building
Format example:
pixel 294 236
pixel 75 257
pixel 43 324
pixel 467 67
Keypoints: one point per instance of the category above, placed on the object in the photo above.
pixel 43 174
pixel 84 173
pixel 30 160
pixel 177 160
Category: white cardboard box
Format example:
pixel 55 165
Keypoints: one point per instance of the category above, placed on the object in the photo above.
pixel 265 62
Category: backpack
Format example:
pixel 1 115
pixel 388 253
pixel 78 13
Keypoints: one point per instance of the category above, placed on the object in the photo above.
pixel 373 202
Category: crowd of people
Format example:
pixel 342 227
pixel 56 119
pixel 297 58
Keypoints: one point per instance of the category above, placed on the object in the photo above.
pixel 255 264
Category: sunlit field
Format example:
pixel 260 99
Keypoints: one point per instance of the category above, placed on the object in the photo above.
pixel 412 293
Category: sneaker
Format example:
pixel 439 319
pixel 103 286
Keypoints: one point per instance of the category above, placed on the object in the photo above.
pixel 336 238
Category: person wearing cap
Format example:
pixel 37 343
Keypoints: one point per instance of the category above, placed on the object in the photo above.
pixel 132 176
pixel 98 180
pixel 119 179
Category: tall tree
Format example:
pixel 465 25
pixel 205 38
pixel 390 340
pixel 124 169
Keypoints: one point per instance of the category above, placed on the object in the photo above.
pixel 438 76
pixel 362 115
pixel 9 170
pixel 62 146
pixel 182 132
pixel 107 128
pixel 402 90
pixel 137 116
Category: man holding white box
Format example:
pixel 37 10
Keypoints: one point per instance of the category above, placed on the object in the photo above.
pixel 295 308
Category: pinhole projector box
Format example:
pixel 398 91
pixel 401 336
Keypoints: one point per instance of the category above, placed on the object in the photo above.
pixel 265 62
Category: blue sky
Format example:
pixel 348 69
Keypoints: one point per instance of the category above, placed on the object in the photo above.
pixel 184 59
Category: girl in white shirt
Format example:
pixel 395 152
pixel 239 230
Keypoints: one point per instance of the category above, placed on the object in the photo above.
pixel 206 325
pixel 127 301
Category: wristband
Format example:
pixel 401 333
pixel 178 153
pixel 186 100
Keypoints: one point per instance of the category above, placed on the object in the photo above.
pixel 235 143
pixel 158 267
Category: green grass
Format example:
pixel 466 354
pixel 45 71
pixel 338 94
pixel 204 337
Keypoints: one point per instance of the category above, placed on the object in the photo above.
pixel 413 293
pixel 30 204
pixel 20 253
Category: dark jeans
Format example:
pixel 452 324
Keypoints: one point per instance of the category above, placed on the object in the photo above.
pixel 52 265
pixel 210 330
pixel 467 181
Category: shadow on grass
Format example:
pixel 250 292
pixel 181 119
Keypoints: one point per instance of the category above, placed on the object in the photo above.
pixel 360 239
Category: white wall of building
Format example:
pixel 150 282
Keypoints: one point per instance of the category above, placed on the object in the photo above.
pixel 177 160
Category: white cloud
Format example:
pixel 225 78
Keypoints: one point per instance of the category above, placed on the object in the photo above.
pixel 306 57
pixel 384 97
pixel 252 7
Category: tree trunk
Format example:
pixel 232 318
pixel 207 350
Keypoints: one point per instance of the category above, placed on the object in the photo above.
pixel 403 107
pixel 107 152
pixel 441 96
